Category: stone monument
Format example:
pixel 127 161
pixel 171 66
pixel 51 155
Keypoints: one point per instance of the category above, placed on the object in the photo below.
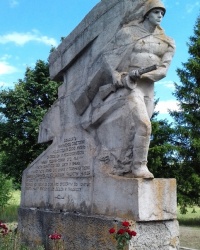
pixel 94 174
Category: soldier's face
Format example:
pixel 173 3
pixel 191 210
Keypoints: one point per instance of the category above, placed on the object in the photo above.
pixel 155 16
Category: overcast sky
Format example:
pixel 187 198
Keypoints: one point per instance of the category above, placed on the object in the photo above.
pixel 29 28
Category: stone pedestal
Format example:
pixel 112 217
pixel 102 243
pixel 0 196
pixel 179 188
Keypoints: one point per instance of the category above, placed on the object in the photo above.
pixel 91 232
pixel 149 204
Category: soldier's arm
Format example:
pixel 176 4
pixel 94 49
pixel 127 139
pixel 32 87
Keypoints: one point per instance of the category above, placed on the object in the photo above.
pixel 163 67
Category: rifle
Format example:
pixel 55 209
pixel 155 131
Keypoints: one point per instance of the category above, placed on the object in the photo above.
pixel 107 89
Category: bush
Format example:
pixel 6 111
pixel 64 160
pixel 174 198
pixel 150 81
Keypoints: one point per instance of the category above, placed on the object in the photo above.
pixel 5 190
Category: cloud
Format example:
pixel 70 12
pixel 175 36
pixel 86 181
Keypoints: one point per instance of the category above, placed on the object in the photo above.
pixel 13 3
pixel 164 106
pixel 23 38
pixel 191 7
pixel 170 85
pixel 5 57
pixel 6 69
pixel 167 84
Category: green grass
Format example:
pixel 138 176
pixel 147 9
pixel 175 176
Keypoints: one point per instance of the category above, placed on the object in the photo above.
pixel 191 218
pixel 9 213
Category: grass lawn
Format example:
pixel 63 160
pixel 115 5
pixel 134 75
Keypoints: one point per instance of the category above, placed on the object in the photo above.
pixel 9 214
pixel 191 218
pixel 190 228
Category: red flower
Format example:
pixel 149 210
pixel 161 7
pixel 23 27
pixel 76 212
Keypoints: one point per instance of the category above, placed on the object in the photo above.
pixel 55 236
pixel 112 230
pixel 125 224
pixel 4 230
pixel 128 231
pixel 133 233
pixel 3 226
pixel 121 231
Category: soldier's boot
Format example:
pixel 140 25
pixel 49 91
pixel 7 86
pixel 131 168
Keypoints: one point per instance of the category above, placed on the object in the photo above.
pixel 140 152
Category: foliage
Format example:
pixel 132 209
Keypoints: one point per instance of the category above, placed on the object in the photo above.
pixel 5 190
pixel 187 125
pixel 161 156
pixel 164 161
pixel 23 109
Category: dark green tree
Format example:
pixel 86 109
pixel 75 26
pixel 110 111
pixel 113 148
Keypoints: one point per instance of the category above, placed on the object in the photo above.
pixel 187 124
pixel 161 156
pixel 23 109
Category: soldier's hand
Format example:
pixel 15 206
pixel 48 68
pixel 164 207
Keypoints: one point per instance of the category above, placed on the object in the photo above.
pixel 134 75
pixel 118 78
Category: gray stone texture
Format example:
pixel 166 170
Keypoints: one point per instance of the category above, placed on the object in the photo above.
pixel 91 232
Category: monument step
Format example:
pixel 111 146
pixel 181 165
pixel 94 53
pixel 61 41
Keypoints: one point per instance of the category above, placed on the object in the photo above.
pixel 186 248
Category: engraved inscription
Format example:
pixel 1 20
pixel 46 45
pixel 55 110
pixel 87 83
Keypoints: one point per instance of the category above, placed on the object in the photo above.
pixel 69 159
pixel 58 186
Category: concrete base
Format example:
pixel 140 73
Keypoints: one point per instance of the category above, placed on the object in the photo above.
pixel 81 232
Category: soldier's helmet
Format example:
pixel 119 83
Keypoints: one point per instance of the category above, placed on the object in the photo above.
pixel 153 4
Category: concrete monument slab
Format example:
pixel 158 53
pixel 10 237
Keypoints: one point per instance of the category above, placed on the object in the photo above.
pixel 95 171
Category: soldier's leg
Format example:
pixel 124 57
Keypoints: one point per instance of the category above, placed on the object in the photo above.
pixel 142 135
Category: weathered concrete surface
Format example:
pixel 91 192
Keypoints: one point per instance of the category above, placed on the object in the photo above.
pixel 136 199
pixel 91 233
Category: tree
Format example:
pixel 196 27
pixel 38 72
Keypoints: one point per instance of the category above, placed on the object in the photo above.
pixel 187 124
pixel 164 161
pixel 161 156
pixel 23 109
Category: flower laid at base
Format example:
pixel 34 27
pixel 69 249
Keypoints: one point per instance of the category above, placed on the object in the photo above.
pixel 4 228
pixel 55 236
pixel 57 243
pixel 123 235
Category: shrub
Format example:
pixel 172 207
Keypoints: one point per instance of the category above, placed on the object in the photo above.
pixel 5 190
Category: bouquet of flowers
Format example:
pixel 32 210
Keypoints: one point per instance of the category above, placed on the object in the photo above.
pixel 123 235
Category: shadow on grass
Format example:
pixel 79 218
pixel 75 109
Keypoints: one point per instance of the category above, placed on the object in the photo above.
pixel 191 218
pixel 190 222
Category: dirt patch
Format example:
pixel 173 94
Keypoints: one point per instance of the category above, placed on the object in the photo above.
pixel 190 237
